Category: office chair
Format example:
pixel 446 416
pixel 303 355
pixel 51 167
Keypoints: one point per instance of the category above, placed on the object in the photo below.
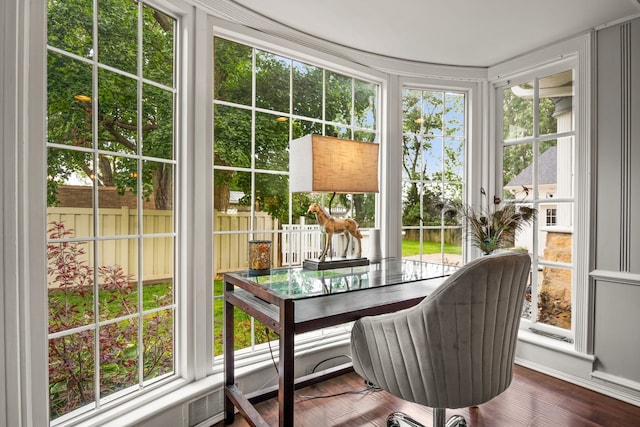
pixel 455 348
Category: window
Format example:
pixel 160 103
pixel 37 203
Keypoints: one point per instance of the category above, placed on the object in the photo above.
pixel 262 100
pixel 434 132
pixel 111 229
pixel 551 217
pixel 538 148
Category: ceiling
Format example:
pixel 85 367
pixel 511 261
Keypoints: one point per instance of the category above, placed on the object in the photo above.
pixel 452 32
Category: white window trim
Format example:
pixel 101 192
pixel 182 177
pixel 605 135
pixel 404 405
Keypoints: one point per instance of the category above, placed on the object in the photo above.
pixel 578 50
pixel 254 39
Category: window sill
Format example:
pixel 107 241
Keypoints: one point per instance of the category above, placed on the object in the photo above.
pixel 149 405
pixel 553 344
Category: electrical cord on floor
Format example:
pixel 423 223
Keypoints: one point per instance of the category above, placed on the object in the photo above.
pixel 370 387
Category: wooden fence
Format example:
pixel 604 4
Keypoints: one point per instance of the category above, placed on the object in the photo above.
pixel 112 248
pixel 232 235
pixel 291 244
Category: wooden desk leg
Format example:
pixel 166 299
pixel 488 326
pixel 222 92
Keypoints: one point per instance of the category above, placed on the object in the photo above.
pixel 229 362
pixel 287 368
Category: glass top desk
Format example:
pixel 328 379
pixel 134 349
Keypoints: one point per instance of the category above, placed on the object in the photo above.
pixel 293 300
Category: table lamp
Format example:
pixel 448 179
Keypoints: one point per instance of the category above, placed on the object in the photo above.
pixel 322 164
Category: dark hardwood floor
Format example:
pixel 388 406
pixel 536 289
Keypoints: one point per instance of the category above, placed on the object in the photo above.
pixel 533 400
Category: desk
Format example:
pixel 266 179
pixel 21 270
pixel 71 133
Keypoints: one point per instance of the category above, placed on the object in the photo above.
pixel 293 301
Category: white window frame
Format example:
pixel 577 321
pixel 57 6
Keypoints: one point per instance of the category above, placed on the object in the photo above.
pixel 575 54
pixel 24 344
pixel 465 138
pixel 335 335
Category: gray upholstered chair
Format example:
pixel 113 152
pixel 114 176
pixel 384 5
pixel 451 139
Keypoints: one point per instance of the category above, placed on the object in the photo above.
pixel 456 347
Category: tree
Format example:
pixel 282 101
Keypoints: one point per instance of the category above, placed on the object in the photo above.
pixel 277 81
pixel 518 122
pixel 432 156
pixel 122 131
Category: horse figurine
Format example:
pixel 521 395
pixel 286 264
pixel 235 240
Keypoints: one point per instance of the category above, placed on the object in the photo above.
pixel 331 225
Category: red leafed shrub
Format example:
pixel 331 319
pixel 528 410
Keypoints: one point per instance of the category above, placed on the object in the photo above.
pixel 74 306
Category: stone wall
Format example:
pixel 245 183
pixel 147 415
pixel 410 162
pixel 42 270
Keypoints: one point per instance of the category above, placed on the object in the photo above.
pixel 554 304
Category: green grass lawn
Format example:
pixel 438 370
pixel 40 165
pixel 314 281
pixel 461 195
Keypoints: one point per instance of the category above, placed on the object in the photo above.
pixel 412 247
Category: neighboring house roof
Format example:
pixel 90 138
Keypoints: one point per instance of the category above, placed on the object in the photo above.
pixel 547 167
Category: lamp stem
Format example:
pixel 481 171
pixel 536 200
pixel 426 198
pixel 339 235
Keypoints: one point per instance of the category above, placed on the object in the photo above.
pixel 330 201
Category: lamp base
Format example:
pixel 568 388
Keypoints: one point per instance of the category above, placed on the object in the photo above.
pixel 331 263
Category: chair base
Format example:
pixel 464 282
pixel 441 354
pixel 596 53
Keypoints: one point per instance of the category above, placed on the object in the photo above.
pixel 398 419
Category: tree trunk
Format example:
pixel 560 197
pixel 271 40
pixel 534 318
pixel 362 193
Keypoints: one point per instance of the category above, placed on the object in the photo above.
pixel 162 189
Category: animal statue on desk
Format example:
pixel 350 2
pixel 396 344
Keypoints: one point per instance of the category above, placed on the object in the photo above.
pixel 331 225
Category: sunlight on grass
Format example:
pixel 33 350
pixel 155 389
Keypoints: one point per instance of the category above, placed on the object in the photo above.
pixel 412 247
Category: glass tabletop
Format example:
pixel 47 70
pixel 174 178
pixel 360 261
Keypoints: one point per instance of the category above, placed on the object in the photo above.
pixel 300 283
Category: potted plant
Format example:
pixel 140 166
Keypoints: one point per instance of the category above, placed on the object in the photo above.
pixel 495 226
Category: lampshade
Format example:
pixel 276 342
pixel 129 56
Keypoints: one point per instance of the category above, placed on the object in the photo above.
pixel 324 164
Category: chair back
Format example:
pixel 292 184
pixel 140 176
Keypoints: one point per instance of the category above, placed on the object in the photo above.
pixel 455 348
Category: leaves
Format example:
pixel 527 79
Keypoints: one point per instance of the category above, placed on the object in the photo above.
pixel 71 305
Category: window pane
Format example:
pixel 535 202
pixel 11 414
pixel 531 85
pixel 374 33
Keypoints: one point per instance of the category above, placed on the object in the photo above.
pixel 555 103
pixel 411 112
pixel 412 160
pixel 119 356
pixel 70 26
pixel 272 142
pixel 69 101
pixel 117 278
pixel 272 197
pixel 454 114
pixel 338 131
pixel 71 372
pixel 518 111
pixel 158 343
pixel 117 112
pixel 366 100
pixel 118 196
pixel 118 34
pixel 364 136
pixel 432 204
pixel 232 72
pixel 555 234
pixel 70 271
pixel 411 194
pixel 517 169
pixel 272 81
pixel 70 191
pixel 453 159
pixel 304 127
pixel 157 122
pixel 307 90
pixel 157 46
pixel 236 202
pixel 554 300
pixel 157 191
pixel 338 98
pixel 556 161
pixel 432 112
pixel 232 136
pixel 157 268
pixel 432 158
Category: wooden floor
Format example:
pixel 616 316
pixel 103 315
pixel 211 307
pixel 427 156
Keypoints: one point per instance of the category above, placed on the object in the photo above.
pixel 533 399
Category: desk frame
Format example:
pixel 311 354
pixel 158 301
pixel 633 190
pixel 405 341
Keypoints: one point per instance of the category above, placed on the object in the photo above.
pixel 288 317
